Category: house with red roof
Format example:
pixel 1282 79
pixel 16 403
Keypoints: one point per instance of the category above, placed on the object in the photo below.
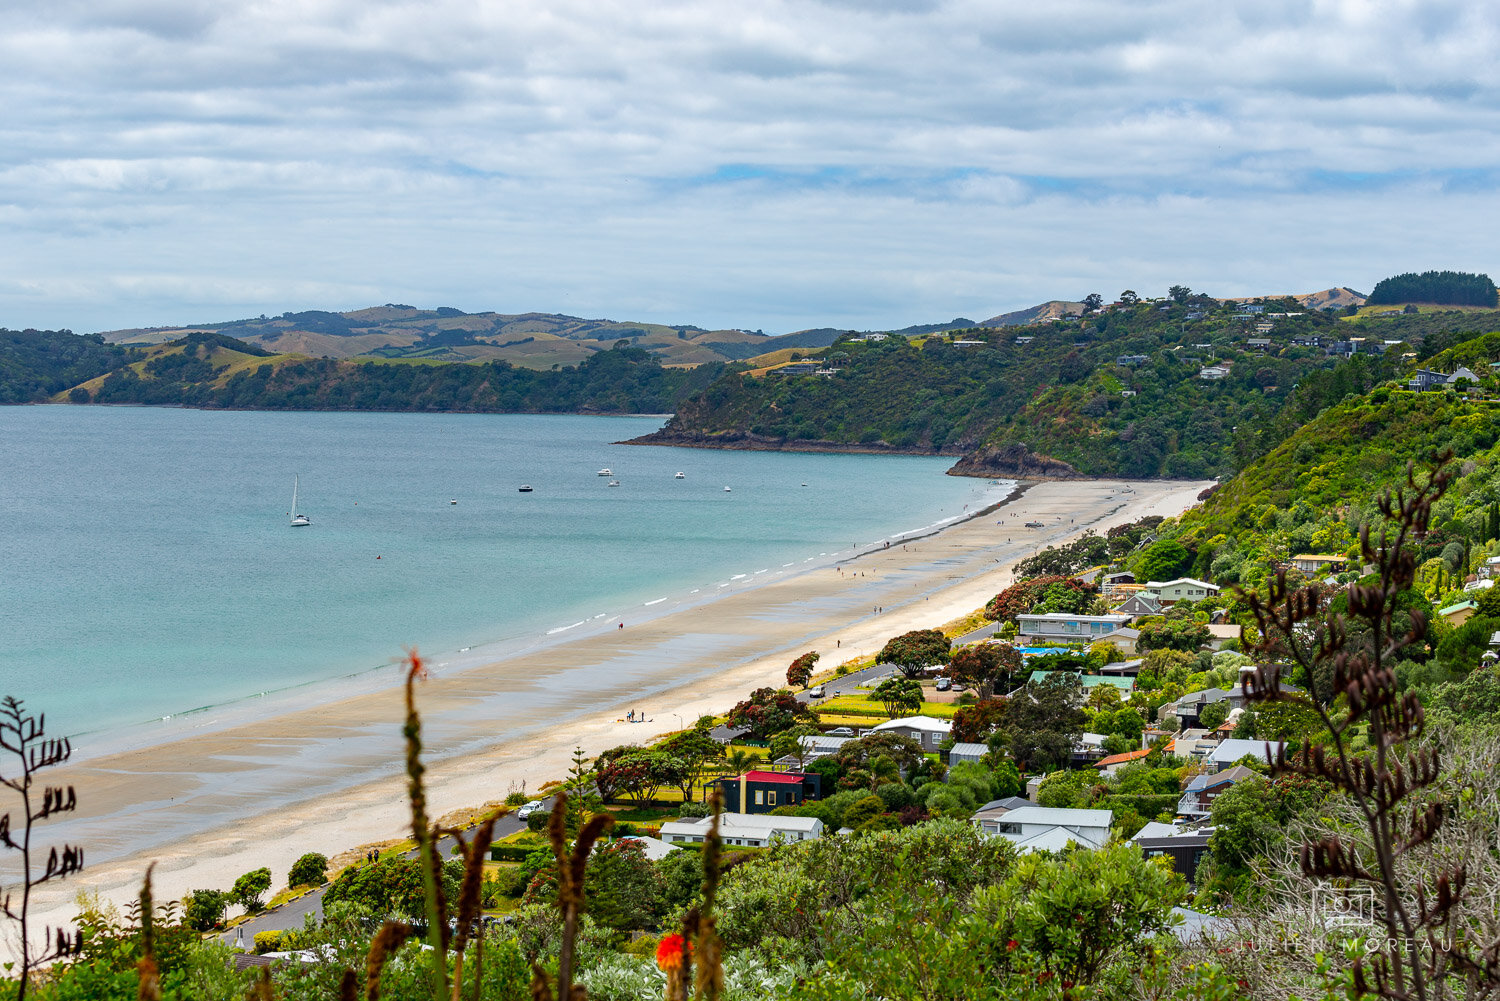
pixel 1114 762
pixel 762 792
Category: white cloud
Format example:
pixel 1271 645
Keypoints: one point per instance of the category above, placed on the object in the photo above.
pixel 769 164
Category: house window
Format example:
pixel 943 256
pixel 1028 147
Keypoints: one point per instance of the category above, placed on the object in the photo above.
pixel 770 799
pixel 760 798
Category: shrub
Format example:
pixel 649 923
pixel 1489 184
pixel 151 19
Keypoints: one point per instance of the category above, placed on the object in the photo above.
pixel 250 887
pixel 515 799
pixel 204 909
pixel 309 870
pixel 267 941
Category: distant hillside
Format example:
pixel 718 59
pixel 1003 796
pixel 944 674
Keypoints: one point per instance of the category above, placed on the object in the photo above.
pixel 212 370
pixel 529 340
pixel 1053 309
pixel 1331 298
pixel 1155 389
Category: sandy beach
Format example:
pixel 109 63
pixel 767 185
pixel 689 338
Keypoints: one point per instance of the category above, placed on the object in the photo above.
pixel 208 808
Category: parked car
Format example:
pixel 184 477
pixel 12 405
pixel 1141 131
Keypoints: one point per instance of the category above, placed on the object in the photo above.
pixel 532 807
pixel 815 693
pixel 959 686
pixel 841 731
pixel 943 684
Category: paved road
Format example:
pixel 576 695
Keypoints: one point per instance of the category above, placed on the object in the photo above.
pixel 292 915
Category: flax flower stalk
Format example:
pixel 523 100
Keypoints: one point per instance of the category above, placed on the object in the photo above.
pixel 421 831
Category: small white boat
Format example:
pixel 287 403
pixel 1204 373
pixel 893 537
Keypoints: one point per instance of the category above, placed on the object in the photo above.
pixel 614 483
pixel 298 520
pixel 453 501
pixel 525 488
pixel 605 472
pixel 726 490
pixel 680 475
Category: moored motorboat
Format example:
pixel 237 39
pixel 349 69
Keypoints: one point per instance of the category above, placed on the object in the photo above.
pixel 604 472
pixel 614 483
pixel 525 488
pixel 680 475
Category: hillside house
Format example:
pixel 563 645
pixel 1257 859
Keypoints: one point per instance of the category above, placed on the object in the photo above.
pixel 1112 764
pixel 1211 372
pixel 1023 340
pixel 762 792
pixel 1169 592
pixel 745 829
pixel 1040 828
pixel 970 344
pixel 987 817
pixel 1198 796
pixel 967 751
pixel 1138 604
pixel 1066 627
pixel 1457 615
pixel 1226 752
pixel 1185 847
pixel 924 730
pixel 1132 360
pixel 1316 566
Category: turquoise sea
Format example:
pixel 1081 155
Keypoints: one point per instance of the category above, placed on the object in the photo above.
pixel 147 568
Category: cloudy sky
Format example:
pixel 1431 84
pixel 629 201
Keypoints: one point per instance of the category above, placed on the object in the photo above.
pixel 755 163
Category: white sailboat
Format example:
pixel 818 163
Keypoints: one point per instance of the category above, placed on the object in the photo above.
pixel 298 520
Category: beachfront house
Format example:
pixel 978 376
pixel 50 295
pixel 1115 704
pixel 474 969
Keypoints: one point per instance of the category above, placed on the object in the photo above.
pixel 1040 828
pixel 924 730
pixel 1065 627
pixel 1170 592
pixel 743 829
pixel 762 792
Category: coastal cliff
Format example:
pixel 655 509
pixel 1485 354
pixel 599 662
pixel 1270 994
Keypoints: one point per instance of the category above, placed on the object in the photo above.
pixel 1013 461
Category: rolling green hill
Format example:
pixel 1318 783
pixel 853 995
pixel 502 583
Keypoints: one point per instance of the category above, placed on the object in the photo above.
pixel 530 340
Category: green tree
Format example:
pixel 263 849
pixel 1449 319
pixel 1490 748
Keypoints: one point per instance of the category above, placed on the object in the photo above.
pixel 309 870
pixel 1081 912
pixel 1163 560
pixel 250 887
pixel 623 890
pixel 769 711
pixel 1045 722
pixel 789 743
pixel 699 753
pixel 204 909
pixel 916 651
pixel 1213 714
pixel 985 665
pixel 899 696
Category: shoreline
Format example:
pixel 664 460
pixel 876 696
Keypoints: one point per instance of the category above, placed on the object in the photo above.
pixel 329 778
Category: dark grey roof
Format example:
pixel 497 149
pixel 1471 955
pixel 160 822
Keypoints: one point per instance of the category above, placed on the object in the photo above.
pixel 1008 803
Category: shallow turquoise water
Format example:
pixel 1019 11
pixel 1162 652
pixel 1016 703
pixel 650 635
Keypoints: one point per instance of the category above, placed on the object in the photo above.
pixel 147 568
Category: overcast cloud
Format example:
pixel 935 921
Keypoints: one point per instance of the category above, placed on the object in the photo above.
pixel 760 164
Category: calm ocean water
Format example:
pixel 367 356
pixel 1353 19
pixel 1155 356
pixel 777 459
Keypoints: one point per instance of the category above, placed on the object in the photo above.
pixel 147 568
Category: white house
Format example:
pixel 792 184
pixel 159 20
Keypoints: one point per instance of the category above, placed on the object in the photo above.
pixel 655 848
pixel 1067 627
pixel 1181 589
pixel 820 745
pixel 1041 828
pixel 751 830
pixel 924 730
pixel 1229 751
pixel 1312 563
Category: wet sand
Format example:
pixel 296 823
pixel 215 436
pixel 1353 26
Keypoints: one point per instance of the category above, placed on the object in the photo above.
pixel 208 808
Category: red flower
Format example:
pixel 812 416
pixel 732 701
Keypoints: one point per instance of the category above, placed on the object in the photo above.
pixel 669 952
pixel 1012 945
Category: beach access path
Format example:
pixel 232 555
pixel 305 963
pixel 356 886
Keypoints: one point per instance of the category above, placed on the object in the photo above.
pixel 327 778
